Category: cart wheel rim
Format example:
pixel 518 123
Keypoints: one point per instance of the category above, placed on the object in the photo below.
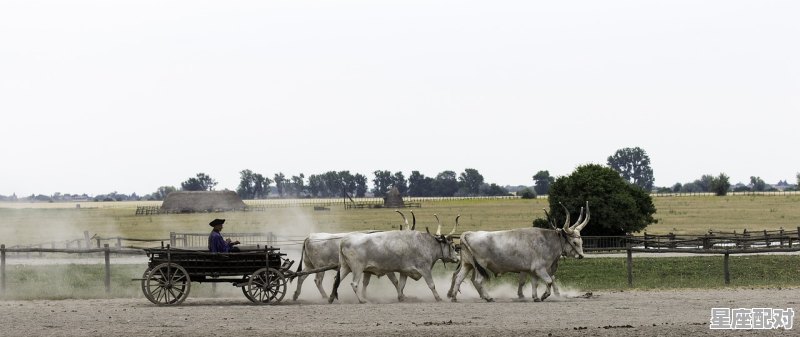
pixel 167 284
pixel 266 286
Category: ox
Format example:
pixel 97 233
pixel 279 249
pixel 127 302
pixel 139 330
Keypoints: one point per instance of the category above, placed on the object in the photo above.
pixel 410 253
pixel 321 251
pixel 533 251
pixel 523 276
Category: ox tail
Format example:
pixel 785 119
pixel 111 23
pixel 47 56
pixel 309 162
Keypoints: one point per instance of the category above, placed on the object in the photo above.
pixel 336 281
pixel 480 269
pixel 302 254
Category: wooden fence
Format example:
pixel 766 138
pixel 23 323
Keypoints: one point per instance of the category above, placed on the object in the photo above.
pixel 724 243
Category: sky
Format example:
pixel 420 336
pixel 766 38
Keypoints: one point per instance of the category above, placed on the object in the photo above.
pixel 126 96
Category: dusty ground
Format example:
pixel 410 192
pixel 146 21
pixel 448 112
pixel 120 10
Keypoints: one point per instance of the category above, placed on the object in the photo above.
pixel 629 313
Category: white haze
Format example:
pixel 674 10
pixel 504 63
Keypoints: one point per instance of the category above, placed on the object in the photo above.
pixel 127 96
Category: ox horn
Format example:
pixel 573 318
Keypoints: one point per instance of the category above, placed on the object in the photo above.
pixel 413 221
pixel 439 229
pixel 566 227
pixel 404 219
pixel 580 224
pixel 454 227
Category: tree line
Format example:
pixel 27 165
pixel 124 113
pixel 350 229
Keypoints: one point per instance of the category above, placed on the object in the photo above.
pixel 253 185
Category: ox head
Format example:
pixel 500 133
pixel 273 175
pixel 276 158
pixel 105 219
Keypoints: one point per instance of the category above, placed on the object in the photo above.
pixel 449 253
pixel 572 234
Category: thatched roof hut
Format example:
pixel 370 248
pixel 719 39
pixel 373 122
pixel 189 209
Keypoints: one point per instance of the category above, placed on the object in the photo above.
pixel 202 201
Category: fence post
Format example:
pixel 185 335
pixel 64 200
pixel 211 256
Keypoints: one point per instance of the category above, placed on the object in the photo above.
pixel 630 267
pixel 108 268
pixel 726 265
pixel 119 242
pixel 98 242
pixel 172 239
pixel 766 237
pixel 87 240
pixel 3 269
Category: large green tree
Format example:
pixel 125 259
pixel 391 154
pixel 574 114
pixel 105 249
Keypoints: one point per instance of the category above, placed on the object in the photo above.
pixel 720 184
pixel 470 181
pixel 617 207
pixel 758 184
pixel 445 184
pixel 633 164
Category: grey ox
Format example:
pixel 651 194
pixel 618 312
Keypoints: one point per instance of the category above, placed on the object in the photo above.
pixel 321 251
pixel 410 253
pixel 533 251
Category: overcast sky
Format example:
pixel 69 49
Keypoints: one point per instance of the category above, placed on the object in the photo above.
pixel 126 96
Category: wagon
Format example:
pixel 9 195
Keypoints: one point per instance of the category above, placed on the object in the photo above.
pixel 261 273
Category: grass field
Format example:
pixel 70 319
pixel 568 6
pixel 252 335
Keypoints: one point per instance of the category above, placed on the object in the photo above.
pixel 40 223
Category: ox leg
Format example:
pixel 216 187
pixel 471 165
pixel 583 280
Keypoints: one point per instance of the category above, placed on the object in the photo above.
pixel 535 287
pixel 357 275
pixel 458 277
pixel 367 277
pixel 478 280
pixel 431 285
pixel 318 281
pixel 392 279
pixel 401 283
pixel 548 281
pixel 521 280
pixel 553 268
pixel 344 269
pixel 300 280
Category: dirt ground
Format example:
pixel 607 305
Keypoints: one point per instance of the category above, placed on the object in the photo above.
pixel 628 313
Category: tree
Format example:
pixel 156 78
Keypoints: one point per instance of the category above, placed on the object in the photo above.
pixel 202 182
pixel 798 181
pixel 526 193
pixel 348 182
pixel 542 181
pixel 361 185
pixel 315 185
pixel 252 185
pixel 280 183
pixel 617 207
pixel 445 184
pixel 677 187
pixel 297 185
pixel 704 184
pixel 720 185
pixel 383 180
pixel 471 181
pixel 162 192
pixel 419 185
pixel 493 190
pixel 399 181
pixel 633 164
pixel 757 184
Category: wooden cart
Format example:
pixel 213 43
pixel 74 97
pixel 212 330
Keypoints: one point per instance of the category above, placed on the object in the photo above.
pixel 261 272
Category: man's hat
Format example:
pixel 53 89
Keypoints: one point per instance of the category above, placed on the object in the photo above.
pixel 216 222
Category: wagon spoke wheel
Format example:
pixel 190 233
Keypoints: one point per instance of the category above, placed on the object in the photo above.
pixel 167 284
pixel 144 284
pixel 266 286
pixel 245 280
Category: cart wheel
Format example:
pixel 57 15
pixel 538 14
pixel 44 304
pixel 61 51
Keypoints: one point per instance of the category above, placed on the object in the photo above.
pixel 167 284
pixel 144 285
pixel 266 286
pixel 246 278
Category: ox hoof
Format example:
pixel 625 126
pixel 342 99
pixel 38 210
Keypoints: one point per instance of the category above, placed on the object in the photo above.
pixel 489 300
pixel 537 300
pixel 453 299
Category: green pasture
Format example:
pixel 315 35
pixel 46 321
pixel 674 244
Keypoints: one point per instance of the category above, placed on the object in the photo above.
pixel 41 223
pixel 585 275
